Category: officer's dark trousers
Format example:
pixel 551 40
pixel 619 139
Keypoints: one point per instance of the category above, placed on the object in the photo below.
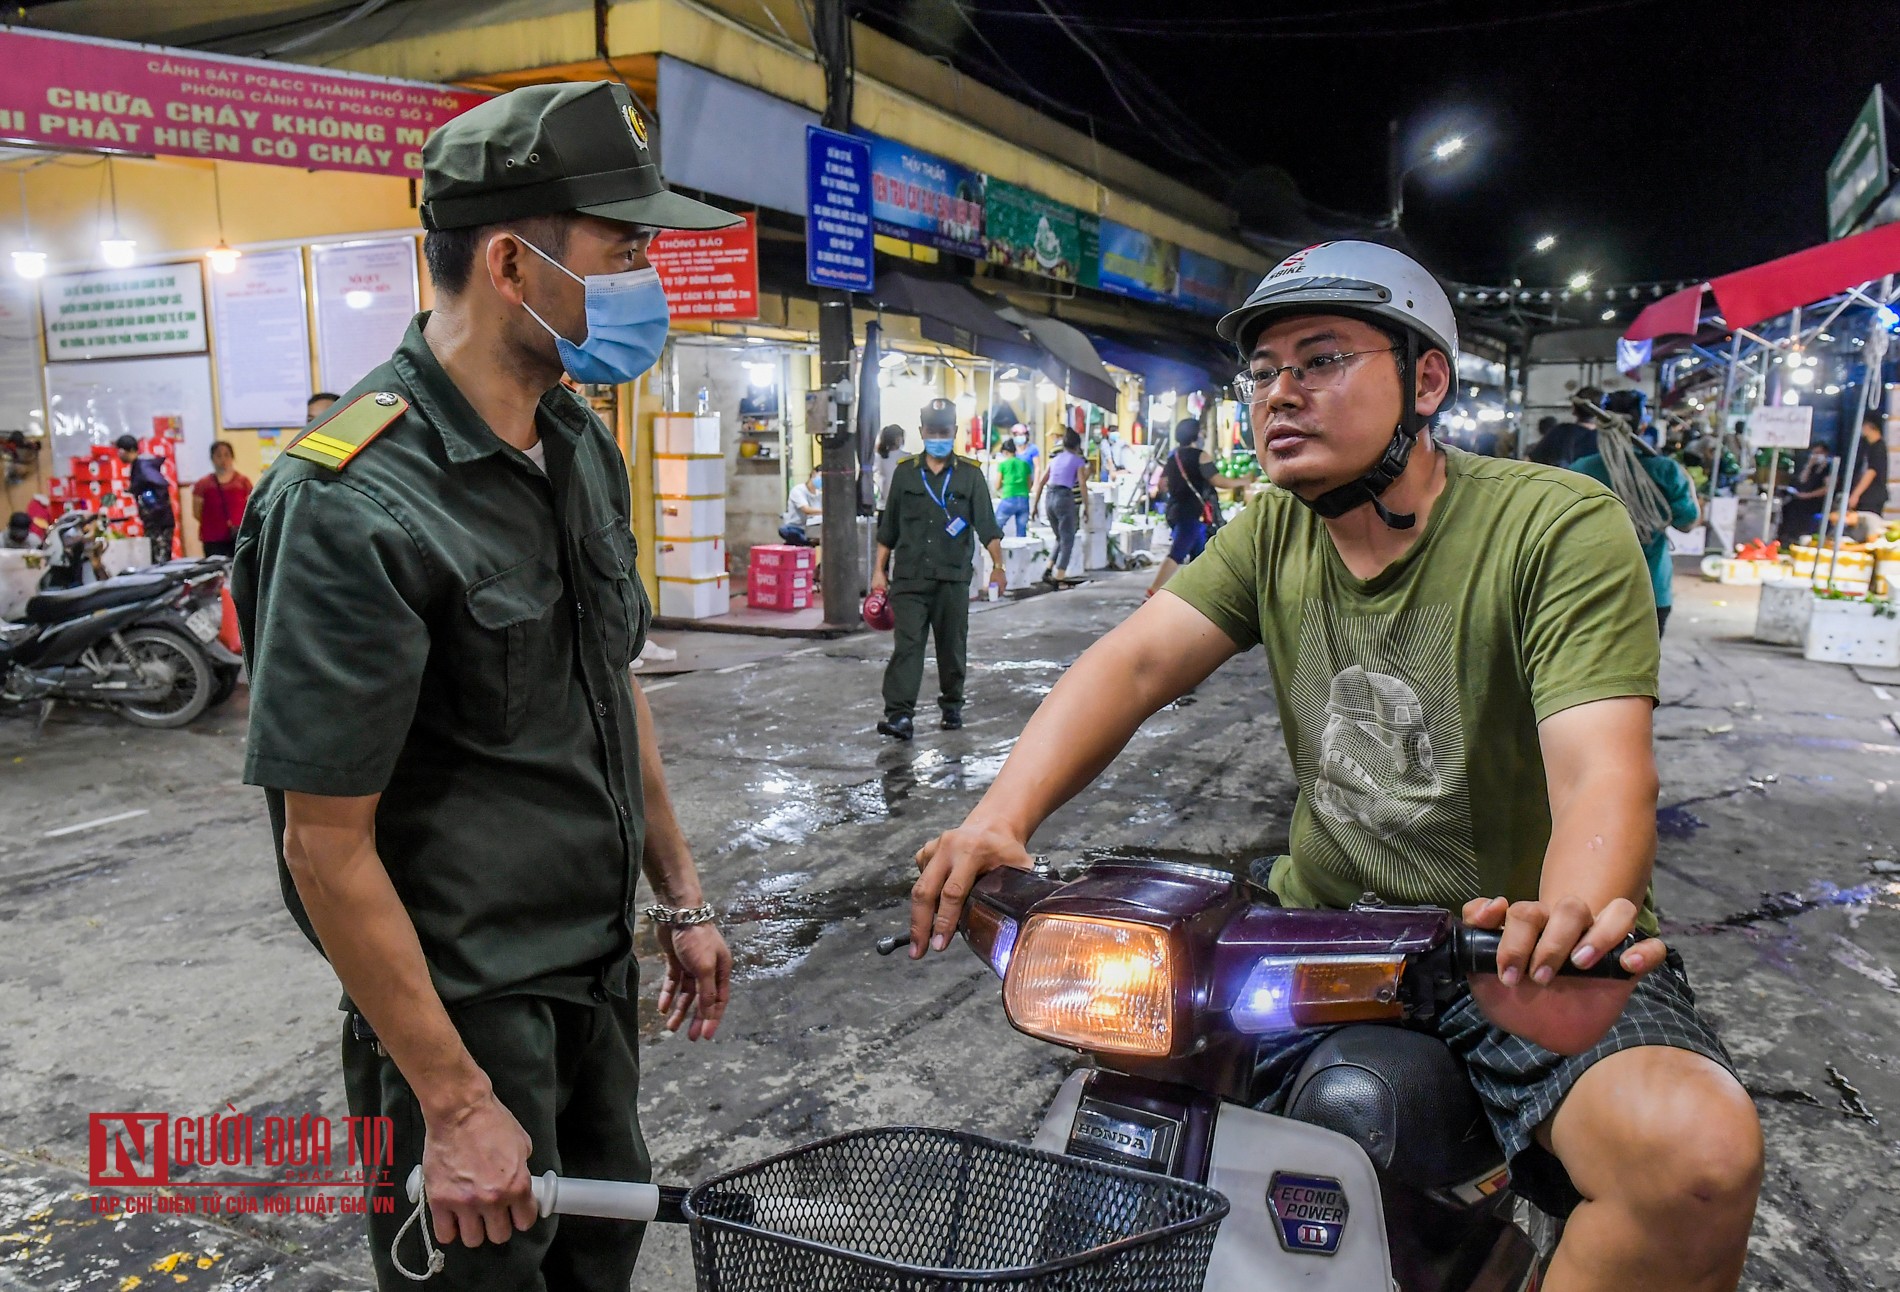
pixel 924 608
pixel 569 1072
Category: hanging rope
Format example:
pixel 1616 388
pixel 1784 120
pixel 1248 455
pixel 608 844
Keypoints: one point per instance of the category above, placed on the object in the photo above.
pixel 1648 506
pixel 420 1218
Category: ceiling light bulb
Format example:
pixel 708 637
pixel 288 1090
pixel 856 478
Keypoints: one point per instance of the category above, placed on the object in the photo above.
pixel 1446 149
pixel 1010 391
pixel 1046 391
pixel 223 258
pixel 1608 315
pixel 1802 376
pixel 118 252
pixel 1579 281
pixel 1545 243
pixel 1789 397
pixel 29 264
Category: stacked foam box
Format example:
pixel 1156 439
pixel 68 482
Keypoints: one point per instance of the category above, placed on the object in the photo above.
pixel 689 485
pixel 778 577
pixel 98 481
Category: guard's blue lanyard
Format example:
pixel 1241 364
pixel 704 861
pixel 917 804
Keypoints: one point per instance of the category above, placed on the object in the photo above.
pixel 953 525
pixel 938 496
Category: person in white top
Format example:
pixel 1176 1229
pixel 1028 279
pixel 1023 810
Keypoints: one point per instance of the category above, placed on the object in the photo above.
pixel 804 513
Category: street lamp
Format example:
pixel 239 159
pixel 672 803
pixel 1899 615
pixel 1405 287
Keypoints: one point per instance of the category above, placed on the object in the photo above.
pixel 1442 151
pixel 1544 243
pixel 1579 281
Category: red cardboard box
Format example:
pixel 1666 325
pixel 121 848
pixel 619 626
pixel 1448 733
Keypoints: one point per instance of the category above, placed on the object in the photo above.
pixel 770 582
pixel 56 489
pixel 786 598
pixel 780 556
pixel 105 451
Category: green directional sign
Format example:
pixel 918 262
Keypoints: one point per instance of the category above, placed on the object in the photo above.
pixel 1858 174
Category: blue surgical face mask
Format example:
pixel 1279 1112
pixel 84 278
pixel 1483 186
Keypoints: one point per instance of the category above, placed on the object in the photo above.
pixel 626 324
pixel 939 448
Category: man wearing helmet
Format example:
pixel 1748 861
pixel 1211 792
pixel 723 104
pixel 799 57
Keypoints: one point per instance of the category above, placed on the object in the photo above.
pixel 1465 657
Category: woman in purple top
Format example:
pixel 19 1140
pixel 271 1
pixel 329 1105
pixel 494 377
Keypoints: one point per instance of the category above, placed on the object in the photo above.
pixel 1061 479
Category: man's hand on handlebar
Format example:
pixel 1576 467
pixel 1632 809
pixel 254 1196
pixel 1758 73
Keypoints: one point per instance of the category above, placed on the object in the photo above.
pixel 950 864
pixel 475 1168
pixel 1538 937
pixel 1528 997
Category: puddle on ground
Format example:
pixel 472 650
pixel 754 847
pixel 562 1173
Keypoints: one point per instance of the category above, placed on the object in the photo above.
pixel 1678 822
pixel 1784 906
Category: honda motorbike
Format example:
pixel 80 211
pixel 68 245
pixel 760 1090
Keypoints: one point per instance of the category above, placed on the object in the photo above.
pixel 144 643
pixel 1372 1168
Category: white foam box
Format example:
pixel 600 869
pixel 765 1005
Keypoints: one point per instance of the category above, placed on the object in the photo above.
pixel 690 518
pixel 1781 617
pixel 1849 632
pixel 684 435
pixel 697 558
pixel 1094 548
pixel 694 598
pixel 689 477
pixel 1023 559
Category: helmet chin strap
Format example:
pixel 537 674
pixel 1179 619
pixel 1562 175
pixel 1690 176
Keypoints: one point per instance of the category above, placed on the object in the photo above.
pixel 1391 464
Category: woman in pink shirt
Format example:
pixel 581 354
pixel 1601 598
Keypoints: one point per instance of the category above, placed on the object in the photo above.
pixel 217 502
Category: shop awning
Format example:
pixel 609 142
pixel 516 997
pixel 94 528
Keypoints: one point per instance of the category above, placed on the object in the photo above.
pixel 1157 364
pixel 1070 359
pixel 1748 296
pixel 951 314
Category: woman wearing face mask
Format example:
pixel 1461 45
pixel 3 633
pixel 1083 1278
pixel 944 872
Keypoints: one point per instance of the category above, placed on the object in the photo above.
pixel 1062 481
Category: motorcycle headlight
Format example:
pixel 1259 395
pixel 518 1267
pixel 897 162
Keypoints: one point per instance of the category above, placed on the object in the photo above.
pixel 1095 984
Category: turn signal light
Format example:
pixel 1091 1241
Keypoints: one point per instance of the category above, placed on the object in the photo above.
pixel 1287 992
pixel 1101 985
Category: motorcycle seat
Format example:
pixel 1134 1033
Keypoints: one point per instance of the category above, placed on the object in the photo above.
pixel 71 603
pixel 1407 1101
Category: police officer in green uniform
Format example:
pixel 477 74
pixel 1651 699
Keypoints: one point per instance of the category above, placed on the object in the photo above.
pixel 437 590
pixel 938 510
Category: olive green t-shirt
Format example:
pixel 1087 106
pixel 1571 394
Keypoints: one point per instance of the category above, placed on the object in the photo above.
pixel 1410 701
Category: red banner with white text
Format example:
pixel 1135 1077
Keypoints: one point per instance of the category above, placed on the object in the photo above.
pixel 105 95
pixel 709 273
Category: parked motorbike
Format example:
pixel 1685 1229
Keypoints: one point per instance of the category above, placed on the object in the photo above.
pixel 1377 1170
pixel 144 643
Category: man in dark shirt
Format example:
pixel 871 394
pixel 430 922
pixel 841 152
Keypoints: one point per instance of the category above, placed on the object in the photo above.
pixel 439 602
pixel 1568 441
pixel 938 511
pixel 152 493
pixel 1869 494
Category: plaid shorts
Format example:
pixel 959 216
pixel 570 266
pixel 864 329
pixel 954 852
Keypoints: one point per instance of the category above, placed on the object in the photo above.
pixel 1521 1084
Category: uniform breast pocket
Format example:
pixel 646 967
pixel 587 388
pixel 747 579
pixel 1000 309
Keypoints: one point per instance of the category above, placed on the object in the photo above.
pixel 508 645
pixel 622 621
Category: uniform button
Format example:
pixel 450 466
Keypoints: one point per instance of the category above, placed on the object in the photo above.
pixel 580 611
pixel 623 809
pixel 598 992
pixel 600 707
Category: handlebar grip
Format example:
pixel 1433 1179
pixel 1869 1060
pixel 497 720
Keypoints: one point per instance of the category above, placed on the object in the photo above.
pixel 1475 951
pixel 607 1199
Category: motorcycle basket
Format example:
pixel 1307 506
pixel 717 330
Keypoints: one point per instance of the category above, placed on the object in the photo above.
pixel 909 1209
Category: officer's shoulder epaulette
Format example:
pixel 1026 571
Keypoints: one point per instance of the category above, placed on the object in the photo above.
pixel 342 435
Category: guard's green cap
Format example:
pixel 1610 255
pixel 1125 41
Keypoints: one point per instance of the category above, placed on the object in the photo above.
pixel 545 149
pixel 938 415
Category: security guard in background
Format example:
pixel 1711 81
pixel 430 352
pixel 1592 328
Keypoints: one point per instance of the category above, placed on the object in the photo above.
pixel 938 510
pixel 437 591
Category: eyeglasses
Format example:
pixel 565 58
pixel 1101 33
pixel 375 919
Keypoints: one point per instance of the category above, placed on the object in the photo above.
pixel 1321 372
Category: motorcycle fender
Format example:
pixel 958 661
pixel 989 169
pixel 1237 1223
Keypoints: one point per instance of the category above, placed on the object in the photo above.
pixel 1249 1149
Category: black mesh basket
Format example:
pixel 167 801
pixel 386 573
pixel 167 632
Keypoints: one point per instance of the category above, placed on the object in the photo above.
pixel 907 1209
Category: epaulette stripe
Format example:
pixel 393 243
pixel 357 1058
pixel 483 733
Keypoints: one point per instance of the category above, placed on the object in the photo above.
pixel 343 434
pixel 318 440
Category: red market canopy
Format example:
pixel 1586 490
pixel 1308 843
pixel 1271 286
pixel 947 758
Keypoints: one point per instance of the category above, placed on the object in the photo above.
pixel 1748 296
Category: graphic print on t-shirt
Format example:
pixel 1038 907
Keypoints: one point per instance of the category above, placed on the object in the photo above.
pixel 1381 750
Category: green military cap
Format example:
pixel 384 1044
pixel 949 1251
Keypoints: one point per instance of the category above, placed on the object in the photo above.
pixel 546 149
pixel 938 415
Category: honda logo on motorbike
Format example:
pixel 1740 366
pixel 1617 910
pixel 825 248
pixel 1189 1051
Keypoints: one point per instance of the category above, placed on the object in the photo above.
pixel 1309 1211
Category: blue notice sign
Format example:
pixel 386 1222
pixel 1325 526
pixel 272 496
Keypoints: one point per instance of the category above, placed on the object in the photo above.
pixel 838 250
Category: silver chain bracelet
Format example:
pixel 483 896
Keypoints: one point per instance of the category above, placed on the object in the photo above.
pixel 680 915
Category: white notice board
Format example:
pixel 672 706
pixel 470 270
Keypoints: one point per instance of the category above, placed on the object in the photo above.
pixel 119 313
pixel 19 360
pixel 263 340
pixel 366 294
pixel 1781 426
pixel 96 403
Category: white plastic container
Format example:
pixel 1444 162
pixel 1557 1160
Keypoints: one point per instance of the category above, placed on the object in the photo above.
pixel 1849 632
pixel 692 558
pixel 684 435
pixel 689 477
pixel 1781 618
pixel 691 518
pixel 694 598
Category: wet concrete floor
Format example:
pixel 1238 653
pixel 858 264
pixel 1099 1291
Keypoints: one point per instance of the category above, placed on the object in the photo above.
pixel 146 962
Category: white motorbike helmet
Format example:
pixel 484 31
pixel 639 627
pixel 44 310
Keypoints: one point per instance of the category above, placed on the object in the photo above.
pixel 1384 287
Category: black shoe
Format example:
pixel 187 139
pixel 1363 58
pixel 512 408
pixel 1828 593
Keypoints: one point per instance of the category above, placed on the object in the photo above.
pixel 900 727
pixel 953 717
